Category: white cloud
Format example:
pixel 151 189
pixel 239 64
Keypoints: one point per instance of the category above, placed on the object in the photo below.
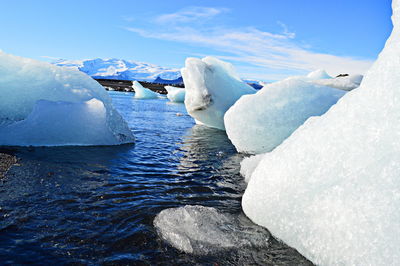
pixel 190 14
pixel 50 58
pixel 278 55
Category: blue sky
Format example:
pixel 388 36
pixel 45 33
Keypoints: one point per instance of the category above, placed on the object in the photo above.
pixel 264 39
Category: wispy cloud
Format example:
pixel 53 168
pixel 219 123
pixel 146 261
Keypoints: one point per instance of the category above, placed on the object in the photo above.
pixel 277 54
pixel 190 14
pixel 286 31
pixel 50 58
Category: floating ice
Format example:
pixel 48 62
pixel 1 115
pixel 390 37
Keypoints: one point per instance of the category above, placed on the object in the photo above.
pixel 248 165
pixel 258 123
pixel 204 230
pixel 142 92
pixel 175 94
pixel 347 83
pixel 318 74
pixel 42 104
pixel 212 86
pixel 332 189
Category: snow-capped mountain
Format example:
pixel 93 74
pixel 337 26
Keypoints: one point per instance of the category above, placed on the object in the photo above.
pixel 120 69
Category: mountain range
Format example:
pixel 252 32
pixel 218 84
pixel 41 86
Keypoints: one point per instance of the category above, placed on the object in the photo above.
pixel 122 69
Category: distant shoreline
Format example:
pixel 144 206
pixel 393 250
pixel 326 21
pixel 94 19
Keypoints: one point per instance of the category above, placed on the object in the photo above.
pixel 126 85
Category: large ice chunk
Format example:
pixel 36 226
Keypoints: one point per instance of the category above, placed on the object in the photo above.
pixel 43 104
pixel 142 92
pixel 332 189
pixel 258 123
pixel 204 230
pixel 212 86
pixel 175 94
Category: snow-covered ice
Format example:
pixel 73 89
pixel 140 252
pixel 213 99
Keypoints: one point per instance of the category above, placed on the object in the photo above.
pixel 212 86
pixel 175 94
pixel 205 230
pixel 259 122
pixel 332 189
pixel 142 92
pixel 42 104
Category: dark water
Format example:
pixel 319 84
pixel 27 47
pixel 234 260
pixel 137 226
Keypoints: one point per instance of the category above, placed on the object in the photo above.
pixel 96 205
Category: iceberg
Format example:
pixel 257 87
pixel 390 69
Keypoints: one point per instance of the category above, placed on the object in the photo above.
pixel 204 230
pixel 318 74
pixel 332 189
pixel 47 105
pixel 212 86
pixel 259 122
pixel 175 94
pixel 343 83
pixel 142 92
pixel 346 83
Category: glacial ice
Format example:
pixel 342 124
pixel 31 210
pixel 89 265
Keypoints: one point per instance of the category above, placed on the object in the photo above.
pixel 142 92
pixel 175 94
pixel 347 83
pixel 212 86
pixel 332 189
pixel 205 230
pixel 42 104
pixel 258 123
pixel 248 165
pixel 318 74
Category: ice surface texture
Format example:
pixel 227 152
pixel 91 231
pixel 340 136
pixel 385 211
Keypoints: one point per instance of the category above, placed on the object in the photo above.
pixel 204 230
pixel 45 105
pixel 332 189
pixel 212 86
pixel 175 94
pixel 258 123
pixel 142 92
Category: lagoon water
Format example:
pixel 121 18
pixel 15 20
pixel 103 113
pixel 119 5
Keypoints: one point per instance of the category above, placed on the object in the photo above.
pixel 96 205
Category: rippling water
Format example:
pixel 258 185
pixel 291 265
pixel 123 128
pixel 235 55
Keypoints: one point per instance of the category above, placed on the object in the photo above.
pixel 96 205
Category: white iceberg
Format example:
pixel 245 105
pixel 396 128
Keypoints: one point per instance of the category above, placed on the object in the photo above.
pixel 332 189
pixel 142 92
pixel 205 230
pixel 212 86
pixel 346 83
pixel 175 94
pixel 248 165
pixel 45 105
pixel 318 74
pixel 258 123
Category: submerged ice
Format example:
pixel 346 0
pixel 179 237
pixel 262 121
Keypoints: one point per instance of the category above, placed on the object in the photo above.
pixel 142 92
pixel 212 86
pixel 204 230
pixel 44 105
pixel 258 123
pixel 175 94
pixel 332 189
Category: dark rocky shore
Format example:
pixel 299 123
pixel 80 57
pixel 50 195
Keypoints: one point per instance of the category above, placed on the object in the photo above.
pixel 6 161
